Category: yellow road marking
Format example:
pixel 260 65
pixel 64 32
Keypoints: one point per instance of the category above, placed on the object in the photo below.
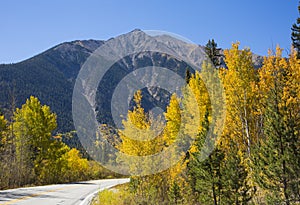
pixel 34 195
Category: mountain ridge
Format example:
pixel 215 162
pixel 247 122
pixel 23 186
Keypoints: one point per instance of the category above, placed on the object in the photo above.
pixel 51 75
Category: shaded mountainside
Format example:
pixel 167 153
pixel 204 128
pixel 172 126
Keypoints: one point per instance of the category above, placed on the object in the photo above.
pixel 51 76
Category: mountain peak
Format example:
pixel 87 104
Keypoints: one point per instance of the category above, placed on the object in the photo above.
pixel 88 45
pixel 136 30
pixel 50 76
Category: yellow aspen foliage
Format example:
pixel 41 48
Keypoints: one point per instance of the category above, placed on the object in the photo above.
pixel 2 122
pixel 141 136
pixel 195 102
pixel 239 80
pixel 6 154
pixel 138 136
pixel 173 118
pixel 172 133
pixel 291 92
pixel 3 127
pixel 271 72
pixel 33 124
pixel 277 157
pixel 76 167
pixel 215 109
pixel 187 122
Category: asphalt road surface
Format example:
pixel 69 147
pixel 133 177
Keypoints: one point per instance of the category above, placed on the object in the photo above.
pixel 80 193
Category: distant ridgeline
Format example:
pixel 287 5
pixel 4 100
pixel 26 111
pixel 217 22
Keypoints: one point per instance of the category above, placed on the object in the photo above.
pixel 51 75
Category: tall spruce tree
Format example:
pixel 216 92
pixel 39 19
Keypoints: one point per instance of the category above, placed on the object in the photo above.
pixel 213 52
pixel 276 158
pixel 188 75
pixel 223 177
pixel 296 34
pixel 205 176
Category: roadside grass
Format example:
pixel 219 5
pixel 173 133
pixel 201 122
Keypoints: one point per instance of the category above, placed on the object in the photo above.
pixel 118 195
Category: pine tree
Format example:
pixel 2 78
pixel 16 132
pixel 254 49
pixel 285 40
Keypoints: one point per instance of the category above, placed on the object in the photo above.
pixel 213 52
pixel 205 176
pixel 237 186
pixel 277 156
pixel 204 164
pixel 188 75
pixel 222 178
pixel 296 34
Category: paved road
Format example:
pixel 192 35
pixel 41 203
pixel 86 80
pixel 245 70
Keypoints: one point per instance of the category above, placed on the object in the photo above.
pixel 59 194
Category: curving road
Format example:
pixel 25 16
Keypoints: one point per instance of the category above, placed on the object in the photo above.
pixel 79 193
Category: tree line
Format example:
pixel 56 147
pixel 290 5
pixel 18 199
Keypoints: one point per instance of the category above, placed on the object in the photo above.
pixel 255 160
pixel 31 155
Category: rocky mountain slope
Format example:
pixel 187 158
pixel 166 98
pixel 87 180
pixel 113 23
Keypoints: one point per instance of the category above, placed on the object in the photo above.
pixel 51 75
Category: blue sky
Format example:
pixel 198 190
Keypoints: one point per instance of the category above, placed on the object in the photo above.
pixel 30 27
